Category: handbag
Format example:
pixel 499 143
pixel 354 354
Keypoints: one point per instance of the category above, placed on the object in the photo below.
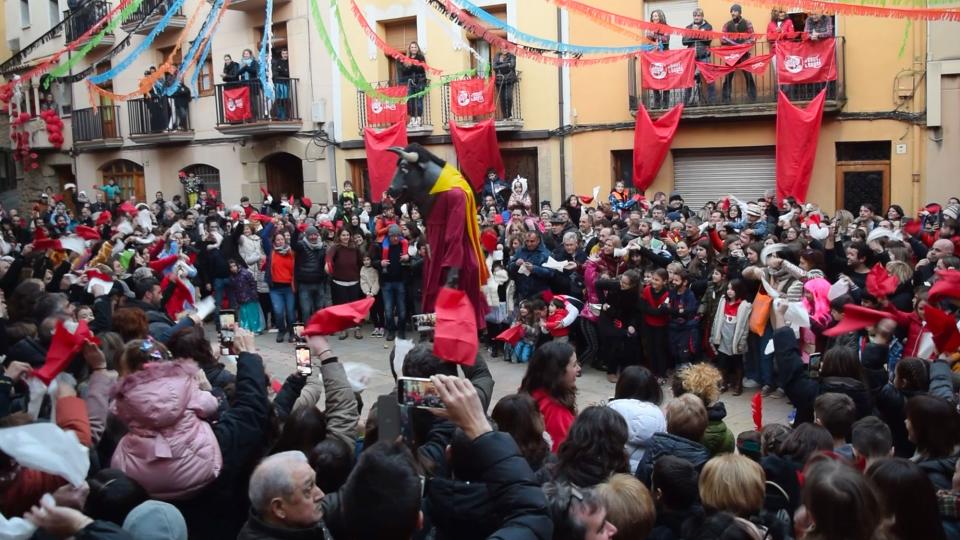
pixel 760 314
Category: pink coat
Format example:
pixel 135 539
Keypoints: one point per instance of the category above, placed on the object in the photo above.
pixel 169 449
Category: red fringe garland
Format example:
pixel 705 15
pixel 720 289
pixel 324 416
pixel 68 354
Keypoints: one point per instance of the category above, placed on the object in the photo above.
pixel 384 46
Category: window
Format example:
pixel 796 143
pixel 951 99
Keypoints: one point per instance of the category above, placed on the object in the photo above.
pixel 622 167
pixel 209 176
pixel 54 12
pixel 485 49
pixel 8 171
pixel 24 14
pixel 678 13
pixel 205 82
pixel 279 41
pixel 399 34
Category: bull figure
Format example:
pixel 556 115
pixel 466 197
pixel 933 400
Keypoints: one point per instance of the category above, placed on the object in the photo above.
pixel 447 204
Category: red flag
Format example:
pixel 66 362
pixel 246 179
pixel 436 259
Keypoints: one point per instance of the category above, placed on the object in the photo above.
pixel 651 142
pixel 856 318
pixel 179 298
pixel 808 61
pixel 477 151
pixel 880 283
pixel 236 104
pixel 712 72
pixel 380 111
pixel 797 133
pixel 756 65
pixel 756 407
pixel 731 54
pixel 333 319
pixel 943 327
pixel 455 336
pixel 947 286
pixel 472 97
pixel 104 218
pixel 64 345
pixel 666 70
pixel 87 233
pixel 511 335
pixel 160 265
pixel 381 163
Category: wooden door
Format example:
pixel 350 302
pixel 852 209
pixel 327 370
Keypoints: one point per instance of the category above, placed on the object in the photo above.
pixel 359 177
pixel 523 162
pixel 860 182
pixel 128 175
pixel 284 175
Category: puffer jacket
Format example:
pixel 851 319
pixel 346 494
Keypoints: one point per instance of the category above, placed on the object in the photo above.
pixel 643 421
pixel 251 249
pixel 740 331
pixel 311 261
pixel 667 444
pixel 718 439
pixel 169 449
pixel 939 470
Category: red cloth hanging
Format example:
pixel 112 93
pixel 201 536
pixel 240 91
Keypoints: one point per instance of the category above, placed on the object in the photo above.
pixel 236 104
pixel 381 163
pixel 801 62
pixel 477 151
pixel 731 54
pixel 712 72
pixel 798 131
pixel 667 70
pixel 472 97
pixel 455 335
pixel 380 111
pixel 333 319
pixel 651 142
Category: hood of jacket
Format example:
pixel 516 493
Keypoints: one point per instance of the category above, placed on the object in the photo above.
pixel 643 421
pixel 854 388
pixel 156 396
pixel 28 350
pixel 717 411
pixel 939 470
pixel 668 444
pixel 156 520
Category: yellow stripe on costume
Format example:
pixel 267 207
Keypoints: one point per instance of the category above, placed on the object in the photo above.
pixel 451 178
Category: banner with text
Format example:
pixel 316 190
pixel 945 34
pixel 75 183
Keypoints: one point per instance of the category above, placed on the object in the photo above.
pixel 667 70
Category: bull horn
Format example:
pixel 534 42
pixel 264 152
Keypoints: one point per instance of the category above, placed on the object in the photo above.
pixel 412 157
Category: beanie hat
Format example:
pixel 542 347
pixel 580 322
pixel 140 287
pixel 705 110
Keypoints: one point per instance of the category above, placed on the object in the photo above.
pixel 736 7
pixel 675 196
pixel 311 230
pixel 951 212
pixel 753 209
pixel 155 520
pixel 393 230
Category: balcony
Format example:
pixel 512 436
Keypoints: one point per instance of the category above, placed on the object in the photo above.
pixel 252 5
pixel 265 117
pixel 502 121
pixel 421 129
pixel 40 139
pixel 97 129
pixel 148 14
pixel 81 21
pixel 155 121
pixel 740 103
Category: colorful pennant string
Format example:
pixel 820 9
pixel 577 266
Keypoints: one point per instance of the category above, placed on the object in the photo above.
pixel 384 46
pixel 101 78
pixel 265 56
pixel 207 45
pixel 191 55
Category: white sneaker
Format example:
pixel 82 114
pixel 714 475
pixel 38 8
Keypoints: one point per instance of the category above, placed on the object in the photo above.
pixel 750 383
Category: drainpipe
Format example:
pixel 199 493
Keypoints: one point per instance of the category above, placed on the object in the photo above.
pixel 560 108
pixel 919 65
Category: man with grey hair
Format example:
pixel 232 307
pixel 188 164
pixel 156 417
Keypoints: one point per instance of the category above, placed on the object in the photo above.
pixel 284 500
pixel 702 54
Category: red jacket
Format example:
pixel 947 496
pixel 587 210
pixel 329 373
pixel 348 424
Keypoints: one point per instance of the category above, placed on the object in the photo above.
pixel 553 324
pixel 915 329
pixel 557 418
pixel 786 31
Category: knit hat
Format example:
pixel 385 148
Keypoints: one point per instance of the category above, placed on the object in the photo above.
pixel 675 196
pixel 951 212
pixel 736 7
pixel 311 230
pixel 753 209
pixel 393 230
pixel 156 520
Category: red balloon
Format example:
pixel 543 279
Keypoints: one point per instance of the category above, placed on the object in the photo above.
pixel 34 165
pixel 33 155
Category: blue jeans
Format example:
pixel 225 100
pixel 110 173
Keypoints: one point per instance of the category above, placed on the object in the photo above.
pixel 311 298
pixel 283 307
pixel 394 298
pixel 759 366
pixel 221 287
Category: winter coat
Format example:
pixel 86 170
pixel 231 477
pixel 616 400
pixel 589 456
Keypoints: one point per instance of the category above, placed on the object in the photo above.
pixel 369 281
pixel 311 261
pixel 938 470
pixel 802 390
pixel 667 444
pixel 539 278
pixel 892 403
pixel 557 418
pixel 244 286
pixel 169 449
pixel 257 529
pixel 251 249
pixel 741 331
pixel 643 421
pixel 718 439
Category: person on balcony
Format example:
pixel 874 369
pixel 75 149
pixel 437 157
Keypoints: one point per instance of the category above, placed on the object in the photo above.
pixel 281 85
pixel 231 70
pixel 702 54
pixel 780 28
pixel 505 71
pixel 249 73
pixel 415 77
pixel 738 25
pixel 178 98
pixel 662 41
pixel 817 27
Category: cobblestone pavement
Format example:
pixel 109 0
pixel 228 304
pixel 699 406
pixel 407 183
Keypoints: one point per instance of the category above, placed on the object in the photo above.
pixel 592 386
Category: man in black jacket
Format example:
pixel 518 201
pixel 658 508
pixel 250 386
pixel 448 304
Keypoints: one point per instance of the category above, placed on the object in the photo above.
pixel 231 70
pixel 148 296
pixel 702 54
pixel 309 273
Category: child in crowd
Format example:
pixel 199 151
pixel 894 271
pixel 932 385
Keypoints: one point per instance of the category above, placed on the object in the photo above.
pixel 370 286
pixel 655 306
pixel 244 287
pixel 526 317
pixel 556 313
pixel 703 380
pixel 729 334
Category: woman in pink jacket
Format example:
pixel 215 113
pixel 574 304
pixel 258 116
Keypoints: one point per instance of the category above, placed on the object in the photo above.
pixel 170 450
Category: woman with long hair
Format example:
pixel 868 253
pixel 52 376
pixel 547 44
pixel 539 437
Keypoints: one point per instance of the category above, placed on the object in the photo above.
pixel 909 499
pixel 551 380
pixel 933 426
pixel 518 415
pixel 637 398
pixel 662 41
pixel 594 448
pixel 344 261
pixel 415 77
pixel 839 503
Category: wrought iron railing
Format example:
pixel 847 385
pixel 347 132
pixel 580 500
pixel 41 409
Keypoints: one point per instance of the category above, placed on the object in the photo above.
pixel 157 115
pixel 734 89
pixel 96 124
pixel 282 108
pixel 81 20
pixel 425 117
pixel 148 8
pixel 505 110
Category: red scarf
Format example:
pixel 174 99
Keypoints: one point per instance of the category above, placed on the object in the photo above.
pixel 731 308
pixel 651 300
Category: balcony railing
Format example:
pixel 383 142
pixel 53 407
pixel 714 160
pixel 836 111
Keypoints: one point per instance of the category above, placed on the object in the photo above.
pixel 81 21
pixel 251 5
pixel 153 11
pixel 736 99
pixel 421 126
pixel 508 114
pixel 159 120
pixel 97 128
pixel 265 116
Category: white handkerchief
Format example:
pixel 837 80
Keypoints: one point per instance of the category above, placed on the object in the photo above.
pixel 554 264
pixel 838 289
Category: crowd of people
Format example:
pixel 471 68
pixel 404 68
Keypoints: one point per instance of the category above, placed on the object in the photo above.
pixel 852 318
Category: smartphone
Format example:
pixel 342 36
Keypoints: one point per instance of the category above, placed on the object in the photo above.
pixel 388 418
pixel 298 332
pixel 815 364
pixel 420 393
pixel 228 318
pixel 304 366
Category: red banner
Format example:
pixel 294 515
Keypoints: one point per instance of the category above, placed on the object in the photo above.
pixel 477 151
pixel 757 64
pixel 387 112
pixel 801 62
pixel 236 104
pixel 731 54
pixel 381 163
pixel 472 97
pixel 651 142
pixel 666 70
pixel 797 133
pixel 712 72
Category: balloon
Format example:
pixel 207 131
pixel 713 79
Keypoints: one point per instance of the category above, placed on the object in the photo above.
pixel 34 165
pixel 33 155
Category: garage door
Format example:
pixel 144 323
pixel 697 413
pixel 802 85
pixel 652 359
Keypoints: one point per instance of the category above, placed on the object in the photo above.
pixel 710 175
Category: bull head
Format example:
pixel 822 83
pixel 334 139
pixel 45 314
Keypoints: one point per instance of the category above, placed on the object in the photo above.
pixel 416 174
